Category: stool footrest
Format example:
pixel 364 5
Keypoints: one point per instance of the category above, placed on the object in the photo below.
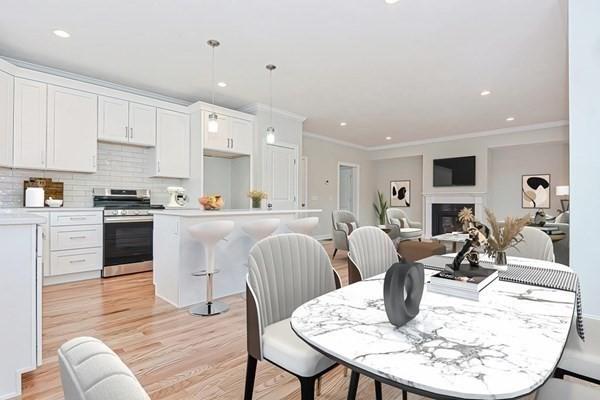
pixel 203 272
pixel 207 309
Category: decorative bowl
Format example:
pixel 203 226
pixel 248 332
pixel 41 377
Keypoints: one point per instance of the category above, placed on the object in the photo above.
pixel 54 203
pixel 212 203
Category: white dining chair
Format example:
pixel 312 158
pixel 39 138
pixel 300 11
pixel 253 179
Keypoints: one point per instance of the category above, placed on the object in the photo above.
pixel 535 244
pixel 90 370
pixel 372 252
pixel 558 389
pixel 284 272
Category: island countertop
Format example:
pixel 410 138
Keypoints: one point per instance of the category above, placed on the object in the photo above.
pixel 198 212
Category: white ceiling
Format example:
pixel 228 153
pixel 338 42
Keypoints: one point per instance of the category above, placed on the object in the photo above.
pixel 412 71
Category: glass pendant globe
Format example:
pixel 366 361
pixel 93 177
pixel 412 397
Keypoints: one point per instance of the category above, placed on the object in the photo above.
pixel 213 123
pixel 270 135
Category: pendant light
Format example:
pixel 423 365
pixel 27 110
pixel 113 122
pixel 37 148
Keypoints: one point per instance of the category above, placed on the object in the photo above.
pixel 213 118
pixel 270 138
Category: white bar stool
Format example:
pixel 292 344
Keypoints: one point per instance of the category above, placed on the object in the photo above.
pixel 305 226
pixel 209 234
pixel 260 229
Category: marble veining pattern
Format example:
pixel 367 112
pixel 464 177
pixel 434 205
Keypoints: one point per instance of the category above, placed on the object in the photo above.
pixel 503 346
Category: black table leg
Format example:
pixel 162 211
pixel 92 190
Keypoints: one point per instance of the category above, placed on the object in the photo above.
pixel 378 394
pixel 353 385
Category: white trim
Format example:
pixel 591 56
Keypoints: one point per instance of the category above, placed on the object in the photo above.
pixel 304 169
pixel 336 141
pixel 255 107
pixel 204 106
pixel 356 177
pixel 93 81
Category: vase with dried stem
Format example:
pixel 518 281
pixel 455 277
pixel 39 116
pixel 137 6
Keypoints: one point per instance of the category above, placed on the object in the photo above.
pixel 503 236
pixel 257 197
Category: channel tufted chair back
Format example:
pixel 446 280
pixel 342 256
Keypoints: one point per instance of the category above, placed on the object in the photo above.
pixel 536 244
pixel 286 271
pixel 372 252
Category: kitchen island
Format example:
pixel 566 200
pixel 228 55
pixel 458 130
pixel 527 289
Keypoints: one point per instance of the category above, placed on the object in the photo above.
pixel 177 255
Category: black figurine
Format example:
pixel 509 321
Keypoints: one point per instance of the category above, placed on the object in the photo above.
pixel 478 234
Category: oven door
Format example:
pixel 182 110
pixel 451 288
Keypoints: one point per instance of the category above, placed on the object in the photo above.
pixel 127 245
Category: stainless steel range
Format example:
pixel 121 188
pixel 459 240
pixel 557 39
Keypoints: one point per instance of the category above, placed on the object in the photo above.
pixel 128 230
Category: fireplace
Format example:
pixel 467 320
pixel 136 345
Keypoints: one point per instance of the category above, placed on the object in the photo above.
pixel 444 217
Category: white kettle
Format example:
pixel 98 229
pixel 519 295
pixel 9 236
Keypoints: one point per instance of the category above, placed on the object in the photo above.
pixel 34 197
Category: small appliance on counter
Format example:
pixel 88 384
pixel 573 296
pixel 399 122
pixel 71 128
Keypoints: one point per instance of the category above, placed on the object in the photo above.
pixel 128 230
pixel 177 196
pixel 34 197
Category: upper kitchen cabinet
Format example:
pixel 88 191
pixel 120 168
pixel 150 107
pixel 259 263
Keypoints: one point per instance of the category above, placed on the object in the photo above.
pixel 121 121
pixel 6 119
pixel 172 152
pixel 234 135
pixel 29 124
pixel 72 130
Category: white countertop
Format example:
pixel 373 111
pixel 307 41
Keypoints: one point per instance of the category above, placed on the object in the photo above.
pixel 44 209
pixel 197 212
pixel 16 218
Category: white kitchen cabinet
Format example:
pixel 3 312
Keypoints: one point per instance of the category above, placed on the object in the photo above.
pixel 241 136
pixel 172 153
pixel 120 121
pixel 142 124
pixel 29 124
pixel 234 135
pixel 6 119
pixel 72 130
pixel 113 119
pixel 76 261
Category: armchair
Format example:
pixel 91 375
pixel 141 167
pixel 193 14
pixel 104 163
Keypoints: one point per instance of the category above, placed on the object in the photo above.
pixel 343 222
pixel 414 230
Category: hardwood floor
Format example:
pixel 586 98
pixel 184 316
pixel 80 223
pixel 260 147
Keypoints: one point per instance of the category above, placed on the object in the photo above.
pixel 174 355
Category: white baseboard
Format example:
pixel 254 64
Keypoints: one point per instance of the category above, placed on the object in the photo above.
pixel 80 276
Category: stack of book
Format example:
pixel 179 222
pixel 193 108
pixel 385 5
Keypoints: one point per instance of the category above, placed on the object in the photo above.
pixel 467 282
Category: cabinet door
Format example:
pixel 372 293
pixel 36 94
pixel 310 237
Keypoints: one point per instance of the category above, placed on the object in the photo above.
pixel 142 124
pixel 30 124
pixel 72 130
pixel 241 136
pixel 6 119
pixel 172 144
pixel 220 140
pixel 113 120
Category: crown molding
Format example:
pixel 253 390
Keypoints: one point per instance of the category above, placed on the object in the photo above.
pixel 255 107
pixel 336 141
pixel 93 81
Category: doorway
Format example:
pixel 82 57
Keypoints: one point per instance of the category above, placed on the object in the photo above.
pixel 282 176
pixel 348 187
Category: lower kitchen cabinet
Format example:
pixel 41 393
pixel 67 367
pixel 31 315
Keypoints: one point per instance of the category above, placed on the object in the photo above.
pixel 74 261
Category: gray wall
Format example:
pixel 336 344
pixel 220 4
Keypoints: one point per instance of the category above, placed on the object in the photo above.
pixel 396 169
pixel 119 166
pixel 508 164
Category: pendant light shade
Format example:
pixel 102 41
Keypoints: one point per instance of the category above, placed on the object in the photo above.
pixel 213 118
pixel 270 136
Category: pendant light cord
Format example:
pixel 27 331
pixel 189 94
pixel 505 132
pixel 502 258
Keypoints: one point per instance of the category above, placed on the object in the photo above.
pixel 271 94
pixel 212 81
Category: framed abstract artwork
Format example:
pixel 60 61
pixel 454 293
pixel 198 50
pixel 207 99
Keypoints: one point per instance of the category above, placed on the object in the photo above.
pixel 400 194
pixel 535 191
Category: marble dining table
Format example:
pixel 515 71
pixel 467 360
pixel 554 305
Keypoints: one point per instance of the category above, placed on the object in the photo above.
pixel 504 346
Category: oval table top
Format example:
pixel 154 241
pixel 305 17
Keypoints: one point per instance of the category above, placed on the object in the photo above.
pixel 504 346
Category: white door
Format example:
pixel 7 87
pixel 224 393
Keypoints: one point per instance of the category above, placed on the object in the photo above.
pixel 142 124
pixel 113 119
pixel 281 176
pixel 348 188
pixel 172 144
pixel 241 136
pixel 6 119
pixel 72 130
pixel 30 124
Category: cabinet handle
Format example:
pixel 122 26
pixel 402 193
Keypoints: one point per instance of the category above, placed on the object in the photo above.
pixel 232 143
pixel 130 133
pixel 77 237
pixel 158 166
pixel 127 132
pixel 76 218
pixel 77 261
pixel 42 157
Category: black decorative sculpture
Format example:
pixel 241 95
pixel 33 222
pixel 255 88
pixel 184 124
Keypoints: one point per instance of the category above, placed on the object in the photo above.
pixel 478 234
pixel 402 291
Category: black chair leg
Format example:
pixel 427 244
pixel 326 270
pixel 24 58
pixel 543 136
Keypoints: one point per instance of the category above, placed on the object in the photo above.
pixel 559 373
pixel 352 389
pixel 307 388
pixel 378 394
pixel 334 253
pixel 404 395
pixel 250 375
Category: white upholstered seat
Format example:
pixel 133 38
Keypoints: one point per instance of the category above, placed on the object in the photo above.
pixel 372 252
pixel 558 389
pixel 536 244
pixel 90 370
pixel 262 228
pixel 414 230
pixel 306 226
pixel 283 347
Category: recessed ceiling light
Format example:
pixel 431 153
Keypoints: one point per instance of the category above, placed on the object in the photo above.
pixel 510 119
pixel 222 84
pixel 391 1
pixel 486 93
pixel 388 138
pixel 343 123
pixel 61 33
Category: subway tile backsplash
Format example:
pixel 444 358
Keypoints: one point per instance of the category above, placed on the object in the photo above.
pixel 119 166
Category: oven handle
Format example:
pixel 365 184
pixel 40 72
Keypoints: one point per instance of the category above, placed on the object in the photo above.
pixel 118 220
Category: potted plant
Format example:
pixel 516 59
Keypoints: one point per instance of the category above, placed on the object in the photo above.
pixel 501 238
pixel 381 207
pixel 466 218
pixel 257 196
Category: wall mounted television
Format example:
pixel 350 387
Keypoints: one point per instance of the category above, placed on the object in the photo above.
pixel 458 171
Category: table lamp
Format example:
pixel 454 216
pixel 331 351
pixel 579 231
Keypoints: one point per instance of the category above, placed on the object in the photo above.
pixel 563 191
